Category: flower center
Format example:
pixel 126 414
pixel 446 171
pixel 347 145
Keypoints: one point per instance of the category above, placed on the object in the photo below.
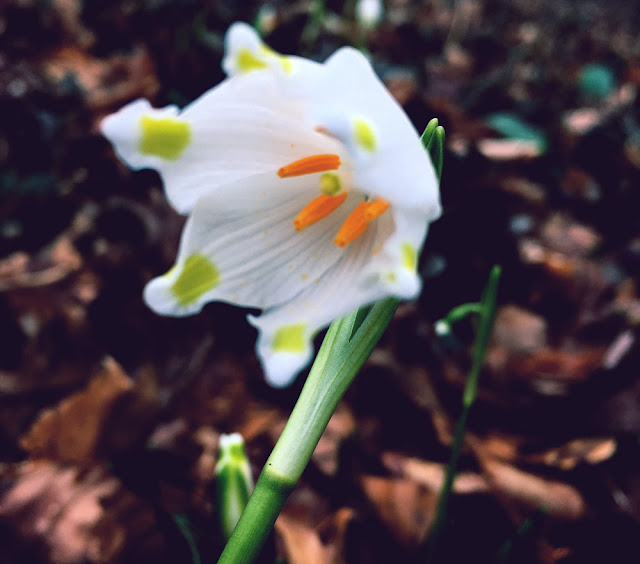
pixel 319 208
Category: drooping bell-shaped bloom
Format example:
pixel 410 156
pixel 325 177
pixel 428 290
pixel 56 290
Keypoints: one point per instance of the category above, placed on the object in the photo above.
pixel 308 193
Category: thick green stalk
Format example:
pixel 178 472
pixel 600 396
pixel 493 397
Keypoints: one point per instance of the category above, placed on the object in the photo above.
pixel 347 345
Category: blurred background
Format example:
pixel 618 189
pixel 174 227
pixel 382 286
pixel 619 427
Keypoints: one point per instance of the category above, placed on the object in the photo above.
pixel 110 415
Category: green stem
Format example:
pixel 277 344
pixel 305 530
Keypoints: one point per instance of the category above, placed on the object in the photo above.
pixel 183 525
pixel 346 347
pixel 458 313
pixel 485 324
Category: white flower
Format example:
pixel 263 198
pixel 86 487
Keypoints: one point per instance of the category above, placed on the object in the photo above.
pixel 307 188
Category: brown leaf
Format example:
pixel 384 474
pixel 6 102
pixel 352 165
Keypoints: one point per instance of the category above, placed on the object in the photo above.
pixel 333 531
pixel 562 234
pixel 431 474
pixel 301 543
pixel 552 371
pixel 509 149
pixel 405 507
pixel 621 346
pixel 402 85
pixel 70 14
pixel 340 426
pixel 106 82
pixel 71 431
pixel 53 264
pixel 61 507
pixel 529 191
pixel 558 498
pixel 260 418
pixel 577 451
pixel 518 330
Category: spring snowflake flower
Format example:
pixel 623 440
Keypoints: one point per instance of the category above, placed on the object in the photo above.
pixel 308 193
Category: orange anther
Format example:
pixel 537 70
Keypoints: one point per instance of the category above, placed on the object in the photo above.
pixel 317 209
pixel 359 219
pixel 376 209
pixel 354 226
pixel 308 165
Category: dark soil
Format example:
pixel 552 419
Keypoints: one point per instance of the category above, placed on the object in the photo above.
pixel 110 415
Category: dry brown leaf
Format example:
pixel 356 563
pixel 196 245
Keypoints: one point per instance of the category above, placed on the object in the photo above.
pixel 402 85
pixel 569 455
pixel 71 431
pixel 621 346
pixel 301 543
pixel 405 507
pixel 61 507
pixel 431 474
pixel 579 122
pixel 518 330
pixel 340 426
pixel 552 371
pixel 205 466
pixel 53 264
pixel 70 14
pixel 632 152
pixel 333 531
pixel 261 419
pixel 562 234
pixel 500 446
pixel 529 191
pixel 626 302
pixel 557 498
pixel 509 149
pixel 442 427
pixel 106 82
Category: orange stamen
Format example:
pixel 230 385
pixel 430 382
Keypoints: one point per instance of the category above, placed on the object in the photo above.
pixel 318 209
pixel 358 221
pixel 308 165
pixel 354 226
pixel 376 209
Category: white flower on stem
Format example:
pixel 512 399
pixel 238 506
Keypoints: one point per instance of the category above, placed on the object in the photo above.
pixel 308 191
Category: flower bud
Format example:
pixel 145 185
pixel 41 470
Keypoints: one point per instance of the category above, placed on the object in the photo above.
pixel 369 13
pixel 234 482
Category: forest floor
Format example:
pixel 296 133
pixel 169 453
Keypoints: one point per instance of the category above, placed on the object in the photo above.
pixel 110 415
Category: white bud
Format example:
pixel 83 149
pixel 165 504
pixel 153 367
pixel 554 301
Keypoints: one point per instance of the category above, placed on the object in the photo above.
pixel 369 12
pixel 234 482
pixel 442 328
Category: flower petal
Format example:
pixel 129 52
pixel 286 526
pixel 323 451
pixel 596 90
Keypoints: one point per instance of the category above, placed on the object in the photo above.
pixel 350 102
pixel 394 267
pixel 284 344
pixel 240 246
pixel 242 127
pixel 244 52
pixel 379 264
pixel 146 137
